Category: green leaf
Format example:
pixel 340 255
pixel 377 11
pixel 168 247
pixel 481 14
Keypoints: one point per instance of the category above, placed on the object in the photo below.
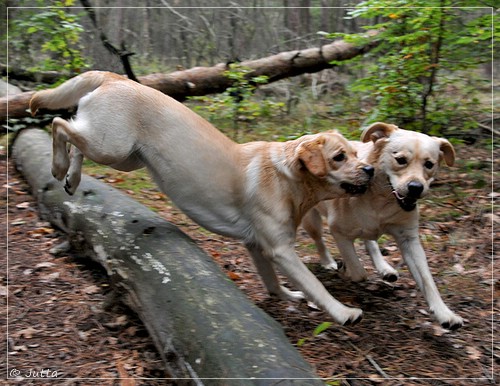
pixel 322 327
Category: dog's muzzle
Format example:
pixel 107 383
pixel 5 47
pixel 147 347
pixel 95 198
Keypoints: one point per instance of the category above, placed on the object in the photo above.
pixel 409 202
pixel 353 189
pixel 360 188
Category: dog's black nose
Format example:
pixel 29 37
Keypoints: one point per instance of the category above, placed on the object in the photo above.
pixel 369 169
pixel 415 189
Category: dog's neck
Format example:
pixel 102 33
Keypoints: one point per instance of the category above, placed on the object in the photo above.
pixel 302 194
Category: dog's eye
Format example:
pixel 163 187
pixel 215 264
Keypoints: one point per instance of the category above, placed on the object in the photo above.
pixel 429 164
pixel 401 160
pixel 339 157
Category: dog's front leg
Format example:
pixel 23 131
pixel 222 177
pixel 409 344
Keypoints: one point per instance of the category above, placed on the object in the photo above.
pixel 385 270
pixel 313 224
pixel 288 262
pixel 353 268
pixel 414 256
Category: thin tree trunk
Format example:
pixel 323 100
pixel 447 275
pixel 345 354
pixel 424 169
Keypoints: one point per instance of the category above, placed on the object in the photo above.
pixel 434 63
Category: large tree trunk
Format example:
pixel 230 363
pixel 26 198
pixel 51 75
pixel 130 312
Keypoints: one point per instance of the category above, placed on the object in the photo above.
pixel 206 80
pixel 202 325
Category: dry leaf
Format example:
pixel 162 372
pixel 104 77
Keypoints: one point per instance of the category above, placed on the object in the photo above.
pixel 233 275
pixel 26 333
pixel 376 378
pixel 3 290
pixel 312 306
pixel 132 331
pixel 470 253
pixel 438 330
pixel 473 353
pixel 91 289
pixel 42 231
pixel 46 264
pixel 119 321
pixel 125 379
pixel 112 340
pixel 459 268
pixel 18 221
pixel 51 276
pixel 491 217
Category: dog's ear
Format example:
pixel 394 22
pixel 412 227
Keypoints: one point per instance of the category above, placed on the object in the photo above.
pixel 310 154
pixel 447 151
pixel 376 131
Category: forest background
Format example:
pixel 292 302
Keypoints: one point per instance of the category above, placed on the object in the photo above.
pixel 433 71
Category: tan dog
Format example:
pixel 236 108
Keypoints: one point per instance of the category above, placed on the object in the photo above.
pixel 257 192
pixel 405 164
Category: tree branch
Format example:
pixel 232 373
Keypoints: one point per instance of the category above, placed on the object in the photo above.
pixel 199 81
pixel 122 53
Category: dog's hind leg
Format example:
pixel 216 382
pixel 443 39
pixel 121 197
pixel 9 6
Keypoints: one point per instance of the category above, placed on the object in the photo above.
pixel 60 158
pixel 62 164
pixel 385 270
pixel 75 171
pixel 313 224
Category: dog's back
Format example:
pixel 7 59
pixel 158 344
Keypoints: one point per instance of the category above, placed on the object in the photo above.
pixel 69 93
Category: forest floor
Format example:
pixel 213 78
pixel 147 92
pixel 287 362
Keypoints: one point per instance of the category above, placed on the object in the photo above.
pixel 62 323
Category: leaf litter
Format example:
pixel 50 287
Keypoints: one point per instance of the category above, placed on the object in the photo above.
pixel 78 332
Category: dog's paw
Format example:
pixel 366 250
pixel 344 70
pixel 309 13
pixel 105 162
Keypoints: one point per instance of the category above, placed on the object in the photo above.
pixel 453 323
pixel 390 277
pixel 286 294
pixel 330 265
pixel 60 166
pixel 58 173
pixel 352 317
pixel 71 183
pixel 68 190
pixel 355 277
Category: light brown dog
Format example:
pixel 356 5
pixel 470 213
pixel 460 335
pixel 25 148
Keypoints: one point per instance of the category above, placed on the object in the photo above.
pixel 405 165
pixel 257 192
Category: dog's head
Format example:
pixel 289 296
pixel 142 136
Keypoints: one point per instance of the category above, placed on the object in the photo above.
pixel 331 161
pixel 409 160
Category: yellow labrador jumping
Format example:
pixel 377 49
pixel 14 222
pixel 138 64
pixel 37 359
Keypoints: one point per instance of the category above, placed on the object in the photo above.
pixel 405 164
pixel 257 192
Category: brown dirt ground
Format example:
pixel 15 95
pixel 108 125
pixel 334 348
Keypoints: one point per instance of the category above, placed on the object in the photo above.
pixel 62 320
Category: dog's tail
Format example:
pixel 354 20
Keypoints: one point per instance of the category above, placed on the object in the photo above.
pixel 70 92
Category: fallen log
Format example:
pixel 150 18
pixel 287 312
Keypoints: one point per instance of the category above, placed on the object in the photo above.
pixel 199 81
pixel 201 323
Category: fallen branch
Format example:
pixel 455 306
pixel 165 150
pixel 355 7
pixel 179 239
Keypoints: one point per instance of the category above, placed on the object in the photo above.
pixel 200 322
pixel 487 128
pixel 199 81
pixel 377 367
pixel 48 77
